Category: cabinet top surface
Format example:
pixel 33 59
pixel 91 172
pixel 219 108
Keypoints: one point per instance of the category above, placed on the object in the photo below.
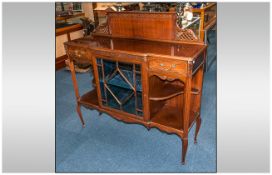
pixel 141 47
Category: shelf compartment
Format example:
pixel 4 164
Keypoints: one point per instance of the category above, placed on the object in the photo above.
pixel 89 99
pixel 164 89
pixel 167 91
pixel 170 116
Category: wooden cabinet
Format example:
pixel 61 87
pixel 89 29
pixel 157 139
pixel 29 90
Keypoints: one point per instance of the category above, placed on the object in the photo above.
pixel 149 82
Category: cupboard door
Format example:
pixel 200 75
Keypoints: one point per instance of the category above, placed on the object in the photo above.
pixel 120 85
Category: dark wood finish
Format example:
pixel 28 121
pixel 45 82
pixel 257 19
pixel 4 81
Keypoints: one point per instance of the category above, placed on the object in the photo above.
pixel 60 62
pixel 60 18
pixel 73 73
pixel 68 29
pixel 145 25
pixel 160 25
pixel 171 78
pixel 164 89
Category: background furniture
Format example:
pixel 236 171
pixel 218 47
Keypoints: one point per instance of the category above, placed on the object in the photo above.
pixel 208 20
pixel 65 34
pixel 69 27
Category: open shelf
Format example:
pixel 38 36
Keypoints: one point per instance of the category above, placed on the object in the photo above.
pixel 172 117
pixel 165 91
pixel 90 99
pixel 168 116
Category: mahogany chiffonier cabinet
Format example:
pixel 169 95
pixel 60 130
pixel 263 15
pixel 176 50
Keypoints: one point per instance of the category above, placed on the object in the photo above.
pixel 143 72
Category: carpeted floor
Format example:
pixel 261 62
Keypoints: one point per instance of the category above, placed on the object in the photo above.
pixel 108 145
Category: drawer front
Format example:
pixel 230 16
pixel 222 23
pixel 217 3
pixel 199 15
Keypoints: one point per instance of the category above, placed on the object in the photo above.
pixel 79 54
pixel 168 65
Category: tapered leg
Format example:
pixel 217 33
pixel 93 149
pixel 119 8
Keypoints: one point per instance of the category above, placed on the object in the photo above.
pixel 184 150
pixel 80 116
pixel 198 123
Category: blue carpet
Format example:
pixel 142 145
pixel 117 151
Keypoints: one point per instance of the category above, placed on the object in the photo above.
pixel 107 145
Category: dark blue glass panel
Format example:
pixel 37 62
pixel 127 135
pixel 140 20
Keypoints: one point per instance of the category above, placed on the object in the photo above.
pixel 139 100
pixel 118 80
pixel 102 90
pixel 109 67
pixel 138 82
pixel 127 70
pixel 138 67
pixel 111 101
pixel 120 93
pixel 100 73
pixel 129 106
pixel 99 61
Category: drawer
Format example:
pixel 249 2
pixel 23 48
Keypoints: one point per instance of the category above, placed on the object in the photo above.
pixel 79 54
pixel 168 65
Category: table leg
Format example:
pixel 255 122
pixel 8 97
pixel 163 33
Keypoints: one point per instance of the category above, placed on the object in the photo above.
pixel 198 123
pixel 73 74
pixel 184 150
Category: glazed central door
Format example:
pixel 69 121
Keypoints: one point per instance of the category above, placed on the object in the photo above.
pixel 120 85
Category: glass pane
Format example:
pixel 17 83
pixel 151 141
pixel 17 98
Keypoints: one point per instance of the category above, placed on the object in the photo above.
pixel 120 93
pixel 138 82
pixel 139 101
pixel 99 61
pixel 100 73
pixel 112 101
pixel 109 68
pixel 102 91
pixel 127 70
pixel 129 106
pixel 138 67
pixel 118 80
pixel 119 83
